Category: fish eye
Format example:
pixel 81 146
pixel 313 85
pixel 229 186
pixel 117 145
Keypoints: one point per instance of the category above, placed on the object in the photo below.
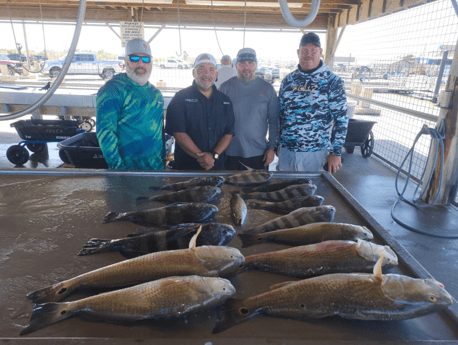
pixel 63 312
pixel 232 256
pixel 243 311
pixel 224 289
pixel 432 298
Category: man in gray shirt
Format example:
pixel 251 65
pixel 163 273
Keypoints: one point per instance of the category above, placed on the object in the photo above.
pixel 256 111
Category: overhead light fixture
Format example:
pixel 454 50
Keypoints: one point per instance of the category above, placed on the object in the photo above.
pixel 239 3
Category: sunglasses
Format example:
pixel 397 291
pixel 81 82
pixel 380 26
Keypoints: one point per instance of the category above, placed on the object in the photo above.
pixel 136 58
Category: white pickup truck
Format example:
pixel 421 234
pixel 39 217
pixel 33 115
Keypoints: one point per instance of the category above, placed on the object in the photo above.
pixel 84 63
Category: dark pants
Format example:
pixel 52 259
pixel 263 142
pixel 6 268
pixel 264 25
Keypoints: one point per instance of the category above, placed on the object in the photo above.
pixel 233 163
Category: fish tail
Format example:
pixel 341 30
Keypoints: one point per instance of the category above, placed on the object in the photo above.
pixel 111 217
pixel 53 293
pixel 46 314
pixel 96 246
pixel 232 313
pixel 142 199
pixel 249 240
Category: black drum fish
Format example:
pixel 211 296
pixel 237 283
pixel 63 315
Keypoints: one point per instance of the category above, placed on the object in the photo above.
pixel 169 215
pixel 195 194
pixel 301 216
pixel 287 206
pixel 178 237
pixel 215 181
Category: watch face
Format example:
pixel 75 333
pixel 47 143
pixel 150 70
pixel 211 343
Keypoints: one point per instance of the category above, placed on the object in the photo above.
pixel 215 156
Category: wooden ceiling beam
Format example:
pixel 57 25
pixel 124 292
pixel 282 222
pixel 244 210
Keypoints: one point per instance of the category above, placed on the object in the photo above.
pixel 188 18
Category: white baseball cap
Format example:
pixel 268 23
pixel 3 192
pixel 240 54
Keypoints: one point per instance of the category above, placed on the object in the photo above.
pixel 204 58
pixel 137 46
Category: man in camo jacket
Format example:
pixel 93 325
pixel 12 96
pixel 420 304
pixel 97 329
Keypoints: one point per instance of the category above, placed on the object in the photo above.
pixel 313 113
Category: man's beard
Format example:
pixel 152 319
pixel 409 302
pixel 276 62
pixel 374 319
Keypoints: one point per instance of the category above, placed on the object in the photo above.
pixel 203 87
pixel 242 77
pixel 141 79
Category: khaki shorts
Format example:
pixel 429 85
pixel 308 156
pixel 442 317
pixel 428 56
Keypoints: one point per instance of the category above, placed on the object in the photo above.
pixel 301 161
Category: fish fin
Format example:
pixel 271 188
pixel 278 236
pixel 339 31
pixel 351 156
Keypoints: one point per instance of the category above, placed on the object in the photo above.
pixel 183 233
pixel 142 199
pixel 280 285
pixel 96 246
pixel 192 243
pixel 248 168
pixel 378 268
pixel 46 314
pixel 111 217
pixel 232 313
pixel 249 240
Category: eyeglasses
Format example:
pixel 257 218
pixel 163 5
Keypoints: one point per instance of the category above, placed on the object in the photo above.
pixel 136 58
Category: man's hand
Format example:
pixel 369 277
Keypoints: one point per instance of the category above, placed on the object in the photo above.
pixel 334 163
pixel 205 160
pixel 269 156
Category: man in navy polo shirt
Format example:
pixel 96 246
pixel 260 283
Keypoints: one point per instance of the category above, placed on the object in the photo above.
pixel 201 119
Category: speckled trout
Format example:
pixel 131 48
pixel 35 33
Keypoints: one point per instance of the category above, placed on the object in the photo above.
pixel 238 209
pixel 349 295
pixel 166 297
pixel 309 234
pixel 301 216
pixel 322 258
pixel 208 261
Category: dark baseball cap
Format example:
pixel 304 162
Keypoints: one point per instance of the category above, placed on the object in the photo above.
pixel 246 54
pixel 310 37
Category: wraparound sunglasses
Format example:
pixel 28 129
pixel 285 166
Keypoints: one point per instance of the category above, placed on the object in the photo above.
pixel 136 58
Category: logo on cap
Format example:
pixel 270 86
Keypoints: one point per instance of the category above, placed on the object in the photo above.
pixel 204 57
pixel 145 46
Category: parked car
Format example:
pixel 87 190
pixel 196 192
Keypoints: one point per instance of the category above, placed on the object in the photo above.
pixel 39 57
pixel 16 57
pixel 268 73
pixel 12 66
pixel 84 63
pixel 174 64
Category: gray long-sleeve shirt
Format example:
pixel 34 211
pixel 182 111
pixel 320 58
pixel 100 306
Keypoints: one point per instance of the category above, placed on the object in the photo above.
pixel 256 116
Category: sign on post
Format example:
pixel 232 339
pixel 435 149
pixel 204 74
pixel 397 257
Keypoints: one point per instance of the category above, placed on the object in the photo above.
pixel 131 30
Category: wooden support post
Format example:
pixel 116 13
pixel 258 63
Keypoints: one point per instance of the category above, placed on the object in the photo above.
pixel 448 113
pixel 331 38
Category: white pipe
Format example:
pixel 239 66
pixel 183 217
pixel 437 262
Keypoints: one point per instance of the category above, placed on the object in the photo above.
pixel 60 77
pixel 291 20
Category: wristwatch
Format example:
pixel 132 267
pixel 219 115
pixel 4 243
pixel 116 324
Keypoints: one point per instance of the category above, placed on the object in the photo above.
pixel 215 155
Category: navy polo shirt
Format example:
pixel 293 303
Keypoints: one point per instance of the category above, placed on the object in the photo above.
pixel 206 121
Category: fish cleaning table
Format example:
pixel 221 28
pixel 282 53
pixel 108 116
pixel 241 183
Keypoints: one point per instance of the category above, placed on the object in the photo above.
pixel 48 216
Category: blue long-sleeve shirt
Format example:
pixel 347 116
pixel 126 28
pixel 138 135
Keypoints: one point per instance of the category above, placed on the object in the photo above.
pixel 130 121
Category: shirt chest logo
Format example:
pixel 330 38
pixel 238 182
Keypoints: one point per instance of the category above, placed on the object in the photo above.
pixel 304 88
pixel 192 100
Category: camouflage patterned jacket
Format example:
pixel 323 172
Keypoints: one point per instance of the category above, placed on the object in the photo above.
pixel 309 105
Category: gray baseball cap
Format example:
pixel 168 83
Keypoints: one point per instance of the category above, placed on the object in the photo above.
pixel 246 54
pixel 204 58
pixel 137 46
